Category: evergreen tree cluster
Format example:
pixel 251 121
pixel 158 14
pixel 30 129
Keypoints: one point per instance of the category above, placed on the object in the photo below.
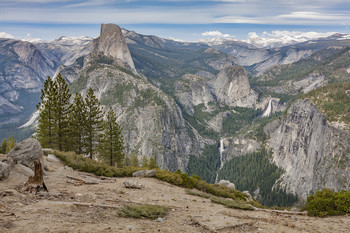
pixel 206 165
pixel 133 161
pixel 78 126
pixel 255 171
pixel 8 145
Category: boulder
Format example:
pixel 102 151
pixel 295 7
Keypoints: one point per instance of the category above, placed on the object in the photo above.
pixel 47 151
pixel 133 185
pixel 19 168
pixel 26 152
pixel 227 183
pixel 144 173
pixel 249 198
pixel 4 170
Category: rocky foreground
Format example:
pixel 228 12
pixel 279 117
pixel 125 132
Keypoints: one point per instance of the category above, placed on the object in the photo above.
pixel 72 205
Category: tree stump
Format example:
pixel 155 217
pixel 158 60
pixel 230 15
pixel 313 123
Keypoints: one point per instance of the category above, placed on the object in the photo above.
pixel 36 184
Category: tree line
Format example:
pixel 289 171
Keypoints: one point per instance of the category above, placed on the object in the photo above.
pixel 78 126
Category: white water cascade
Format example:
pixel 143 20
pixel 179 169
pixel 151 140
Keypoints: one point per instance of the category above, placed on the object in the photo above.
pixel 221 150
pixel 268 110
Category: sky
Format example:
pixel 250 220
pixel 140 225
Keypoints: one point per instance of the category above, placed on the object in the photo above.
pixel 175 19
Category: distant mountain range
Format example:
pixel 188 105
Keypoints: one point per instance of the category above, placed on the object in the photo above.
pixel 177 100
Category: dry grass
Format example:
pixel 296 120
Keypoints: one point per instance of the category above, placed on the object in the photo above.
pixel 228 202
pixel 143 211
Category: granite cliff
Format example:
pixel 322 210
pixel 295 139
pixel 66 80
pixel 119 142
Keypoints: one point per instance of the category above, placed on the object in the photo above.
pixel 111 43
pixel 312 152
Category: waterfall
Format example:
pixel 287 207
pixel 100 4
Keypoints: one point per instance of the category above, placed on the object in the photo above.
pixel 268 110
pixel 221 150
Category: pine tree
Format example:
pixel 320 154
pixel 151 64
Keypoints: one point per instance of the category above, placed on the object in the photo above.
pixel 144 161
pixel 11 143
pixel 93 123
pixel 112 141
pixel 127 161
pixel 134 160
pixel 46 122
pixel 61 113
pixel 77 126
pixel 3 146
pixel 152 163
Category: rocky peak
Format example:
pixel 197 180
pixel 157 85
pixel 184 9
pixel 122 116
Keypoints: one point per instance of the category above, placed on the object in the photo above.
pixel 111 43
pixel 231 87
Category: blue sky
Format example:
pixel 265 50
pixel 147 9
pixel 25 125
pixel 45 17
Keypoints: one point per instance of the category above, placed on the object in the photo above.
pixel 186 20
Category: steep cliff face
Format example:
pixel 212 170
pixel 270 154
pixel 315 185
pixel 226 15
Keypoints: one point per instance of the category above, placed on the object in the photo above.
pixel 23 69
pixel 313 153
pixel 152 122
pixel 277 58
pixel 111 43
pixel 192 90
pixel 231 87
pixel 23 65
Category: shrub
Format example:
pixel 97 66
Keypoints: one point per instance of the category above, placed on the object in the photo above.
pixel 146 211
pixel 82 163
pixel 327 203
pixel 172 178
pixel 228 202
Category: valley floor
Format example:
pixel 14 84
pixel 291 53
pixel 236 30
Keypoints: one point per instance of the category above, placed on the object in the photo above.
pixel 93 208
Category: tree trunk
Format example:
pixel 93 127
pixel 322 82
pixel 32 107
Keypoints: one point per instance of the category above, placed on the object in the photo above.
pixel 36 184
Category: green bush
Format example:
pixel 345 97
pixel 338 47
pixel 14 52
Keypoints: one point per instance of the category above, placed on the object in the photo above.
pixel 228 202
pixel 84 164
pixel 146 211
pixel 328 203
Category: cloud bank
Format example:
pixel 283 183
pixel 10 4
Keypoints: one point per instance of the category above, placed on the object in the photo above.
pixel 6 35
pixel 215 34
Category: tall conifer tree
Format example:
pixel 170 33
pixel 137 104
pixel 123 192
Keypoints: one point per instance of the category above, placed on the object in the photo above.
pixel 152 163
pixel 3 146
pixel 61 114
pixel 78 119
pixel 134 160
pixel 46 121
pixel 112 141
pixel 11 143
pixel 94 121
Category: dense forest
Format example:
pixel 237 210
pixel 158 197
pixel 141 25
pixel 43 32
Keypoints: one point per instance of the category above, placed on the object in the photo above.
pixel 254 172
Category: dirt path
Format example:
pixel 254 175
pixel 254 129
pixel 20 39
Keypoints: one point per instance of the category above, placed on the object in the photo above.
pixel 93 208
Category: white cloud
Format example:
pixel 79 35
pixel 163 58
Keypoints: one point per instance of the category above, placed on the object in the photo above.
pixel 280 38
pixel 313 16
pixel 6 35
pixel 215 34
pixel 30 39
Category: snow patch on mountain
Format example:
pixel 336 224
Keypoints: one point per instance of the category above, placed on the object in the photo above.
pixel 281 38
pixel 70 41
